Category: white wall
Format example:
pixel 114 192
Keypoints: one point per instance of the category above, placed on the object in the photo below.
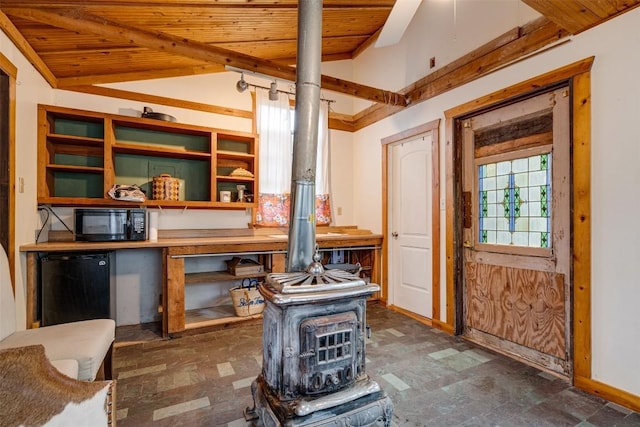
pixel 31 89
pixel 614 169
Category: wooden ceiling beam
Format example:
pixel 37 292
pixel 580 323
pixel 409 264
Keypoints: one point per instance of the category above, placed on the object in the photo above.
pixel 65 82
pixel 23 46
pixel 80 21
pixel 162 100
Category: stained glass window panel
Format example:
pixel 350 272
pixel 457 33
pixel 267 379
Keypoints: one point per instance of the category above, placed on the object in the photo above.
pixel 515 202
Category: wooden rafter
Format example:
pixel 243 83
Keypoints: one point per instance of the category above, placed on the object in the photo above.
pixel 80 21
pixel 14 35
pixel 576 16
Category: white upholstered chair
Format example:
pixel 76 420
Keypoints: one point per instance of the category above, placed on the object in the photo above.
pixel 81 350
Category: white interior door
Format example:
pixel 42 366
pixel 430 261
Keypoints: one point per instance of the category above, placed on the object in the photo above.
pixel 411 233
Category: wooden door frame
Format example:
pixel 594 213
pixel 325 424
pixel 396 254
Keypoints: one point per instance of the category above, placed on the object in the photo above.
pixel 578 77
pixel 433 127
pixel 12 71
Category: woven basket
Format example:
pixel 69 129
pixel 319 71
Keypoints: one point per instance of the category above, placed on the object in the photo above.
pixel 165 187
pixel 247 301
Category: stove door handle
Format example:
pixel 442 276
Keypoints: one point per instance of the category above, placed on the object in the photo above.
pixel 306 354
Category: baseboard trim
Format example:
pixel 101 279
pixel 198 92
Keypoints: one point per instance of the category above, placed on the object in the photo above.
pixel 615 395
pixel 414 316
pixel 443 326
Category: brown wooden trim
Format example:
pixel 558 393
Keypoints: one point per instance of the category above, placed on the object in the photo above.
pixel 443 326
pixel 579 75
pixel 582 224
pixel 173 312
pixel 384 279
pixel 435 223
pixel 162 100
pixel 605 391
pixel 433 127
pixel 534 83
pixel 409 133
pixel 12 72
pixel 32 320
pixel 450 235
pixel 414 316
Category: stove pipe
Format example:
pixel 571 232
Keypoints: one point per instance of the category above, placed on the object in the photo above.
pixel 302 224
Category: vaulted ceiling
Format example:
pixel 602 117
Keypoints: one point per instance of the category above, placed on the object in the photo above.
pixel 79 42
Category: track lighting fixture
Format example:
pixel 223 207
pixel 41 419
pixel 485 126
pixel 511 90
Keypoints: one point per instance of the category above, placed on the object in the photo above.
pixel 273 91
pixel 242 85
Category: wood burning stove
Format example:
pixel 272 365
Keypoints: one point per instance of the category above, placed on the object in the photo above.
pixel 314 335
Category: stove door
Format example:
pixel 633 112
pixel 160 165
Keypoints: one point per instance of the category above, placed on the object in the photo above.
pixel 328 352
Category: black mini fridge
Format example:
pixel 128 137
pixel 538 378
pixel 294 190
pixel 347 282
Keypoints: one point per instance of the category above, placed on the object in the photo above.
pixel 76 286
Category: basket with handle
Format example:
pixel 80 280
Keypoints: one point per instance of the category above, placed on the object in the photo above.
pixel 246 298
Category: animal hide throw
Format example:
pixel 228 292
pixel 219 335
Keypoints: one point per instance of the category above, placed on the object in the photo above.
pixel 34 393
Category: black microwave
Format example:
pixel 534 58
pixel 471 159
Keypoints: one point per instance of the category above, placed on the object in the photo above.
pixel 105 225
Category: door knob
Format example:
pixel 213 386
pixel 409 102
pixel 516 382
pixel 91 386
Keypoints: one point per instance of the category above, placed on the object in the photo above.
pixel 467 244
pixel 394 234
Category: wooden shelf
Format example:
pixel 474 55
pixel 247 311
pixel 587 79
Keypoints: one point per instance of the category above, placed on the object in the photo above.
pixel 227 178
pixel 218 276
pixel 214 316
pixel 159 151
pixel 71 168
pixel 74 140
pixel 233 155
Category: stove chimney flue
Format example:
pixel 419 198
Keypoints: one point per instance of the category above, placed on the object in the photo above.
pixel 302 224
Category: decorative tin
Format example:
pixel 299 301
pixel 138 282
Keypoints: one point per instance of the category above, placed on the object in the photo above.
pixel 165 187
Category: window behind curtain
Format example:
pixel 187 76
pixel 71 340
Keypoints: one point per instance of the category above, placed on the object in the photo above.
pixel 275 126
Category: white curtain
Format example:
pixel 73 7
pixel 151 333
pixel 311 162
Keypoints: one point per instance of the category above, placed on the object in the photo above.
pixel 322 166
pixel 276 142
pixel 275 129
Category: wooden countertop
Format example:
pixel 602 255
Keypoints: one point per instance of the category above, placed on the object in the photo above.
pixel 267 239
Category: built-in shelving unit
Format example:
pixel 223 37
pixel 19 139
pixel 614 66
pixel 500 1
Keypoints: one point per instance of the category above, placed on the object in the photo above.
pixel 83 154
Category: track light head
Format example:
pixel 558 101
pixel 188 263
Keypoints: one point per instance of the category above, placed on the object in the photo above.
pixel 242 85
pixel 273 92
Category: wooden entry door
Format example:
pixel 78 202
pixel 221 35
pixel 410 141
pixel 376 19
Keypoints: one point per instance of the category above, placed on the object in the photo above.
pixel 516 230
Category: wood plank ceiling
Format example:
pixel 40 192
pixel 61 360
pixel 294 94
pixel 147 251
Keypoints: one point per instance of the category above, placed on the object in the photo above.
pixel 79 42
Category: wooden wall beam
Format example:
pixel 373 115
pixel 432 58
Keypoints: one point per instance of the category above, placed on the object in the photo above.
pixel 499 52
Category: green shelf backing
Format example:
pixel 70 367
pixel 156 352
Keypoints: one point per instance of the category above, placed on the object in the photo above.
pixel 78 160
pixel 75 184
pixel 163 139
pixel 231 145
pixel 140 170
pixel 78 128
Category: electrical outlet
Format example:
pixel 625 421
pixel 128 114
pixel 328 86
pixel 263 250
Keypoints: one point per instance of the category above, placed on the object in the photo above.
pixel 339 210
